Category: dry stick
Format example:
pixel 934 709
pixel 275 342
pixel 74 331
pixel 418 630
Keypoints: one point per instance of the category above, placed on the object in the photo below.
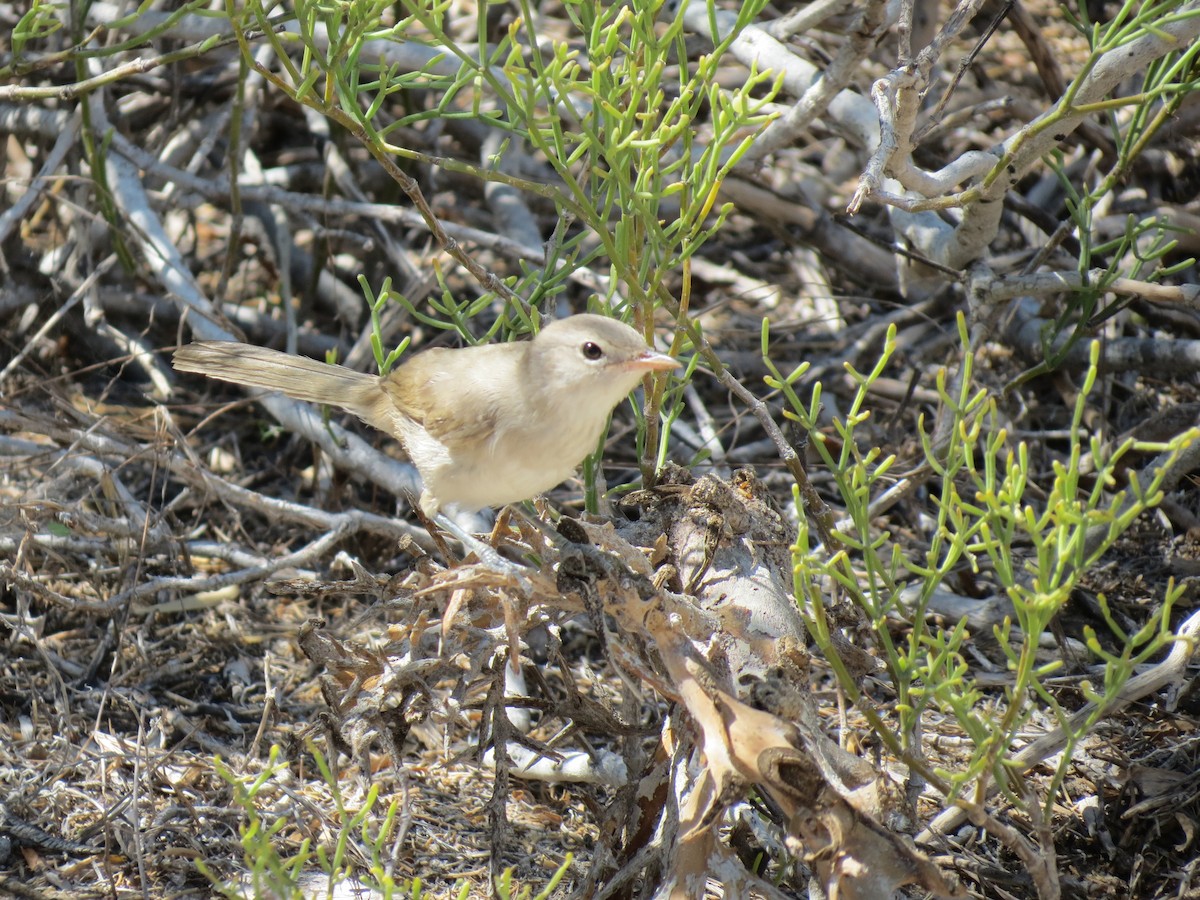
pixel 1041 51
pixel 64 92
pixel 20 209
pixel 1044 868
pixel 707 430
pixel 1025 148
pixel 187 470
pixel 904 29
pixel 194 585
pixel 1041 284
pixel 1039 862
pixel 217 190
pixel 805 18
pixel 833 79
pixel 507 203
pixel 343 175
pixel 163 258
pixel 269 701
pixel 501 729
pixel 1179 357
pixel 964 13
pixel 58 315
pixel 488 280
pixel 241 158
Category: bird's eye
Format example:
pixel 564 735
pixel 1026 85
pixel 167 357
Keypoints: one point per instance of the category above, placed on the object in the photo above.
pixel 592 350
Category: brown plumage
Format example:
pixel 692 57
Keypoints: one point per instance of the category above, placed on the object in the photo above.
pixel 485 425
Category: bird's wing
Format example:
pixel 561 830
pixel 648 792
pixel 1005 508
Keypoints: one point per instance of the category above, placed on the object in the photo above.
pixel 440 390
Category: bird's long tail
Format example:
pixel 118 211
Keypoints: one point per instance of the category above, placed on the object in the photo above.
pixel 296 376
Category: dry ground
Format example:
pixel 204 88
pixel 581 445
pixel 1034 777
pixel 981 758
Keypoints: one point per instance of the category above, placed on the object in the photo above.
pixel 158 613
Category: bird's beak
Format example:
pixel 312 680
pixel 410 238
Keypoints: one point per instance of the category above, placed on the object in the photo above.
pixel 650 361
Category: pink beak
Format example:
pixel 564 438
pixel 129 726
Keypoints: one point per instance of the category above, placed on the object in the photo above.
pixel 652 361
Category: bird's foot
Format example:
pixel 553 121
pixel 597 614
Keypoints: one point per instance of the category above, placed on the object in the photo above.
pixel 488 556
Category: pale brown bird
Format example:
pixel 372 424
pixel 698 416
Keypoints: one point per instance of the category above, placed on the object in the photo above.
pixel 485 425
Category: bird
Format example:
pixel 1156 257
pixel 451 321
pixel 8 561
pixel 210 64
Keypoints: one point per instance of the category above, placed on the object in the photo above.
pixel 486 425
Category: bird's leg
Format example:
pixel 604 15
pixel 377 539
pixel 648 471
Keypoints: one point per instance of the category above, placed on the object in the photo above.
pixel 487 554
pixel 429 515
